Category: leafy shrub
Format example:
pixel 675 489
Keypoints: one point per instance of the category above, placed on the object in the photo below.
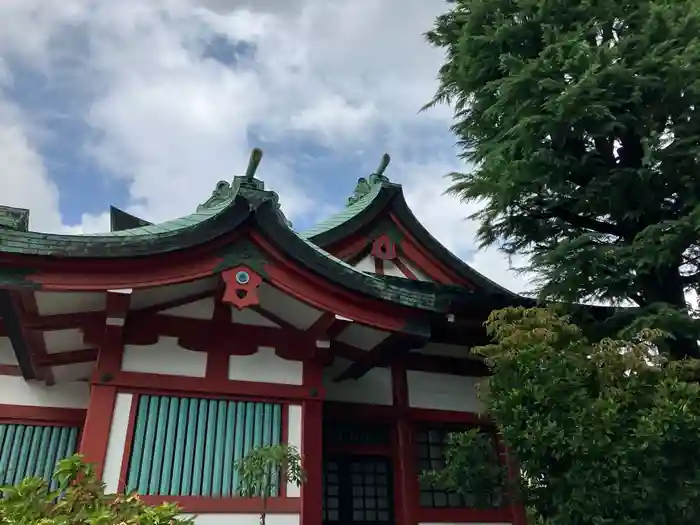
pixel 78 499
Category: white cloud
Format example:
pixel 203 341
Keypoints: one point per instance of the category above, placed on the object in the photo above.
pixel 24 182
pixel 347 74
pixel 446 218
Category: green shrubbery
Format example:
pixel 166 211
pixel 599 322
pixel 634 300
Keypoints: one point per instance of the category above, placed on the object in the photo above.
pixel 79 499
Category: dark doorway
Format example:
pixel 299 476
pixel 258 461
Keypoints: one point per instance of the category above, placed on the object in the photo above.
pixel 357 490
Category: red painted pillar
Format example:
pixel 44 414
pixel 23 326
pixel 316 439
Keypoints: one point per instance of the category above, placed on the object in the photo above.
pixel 312 444
pixel 405 477
pixel 98 419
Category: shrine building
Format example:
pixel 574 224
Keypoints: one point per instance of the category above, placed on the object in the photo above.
pixel 165 352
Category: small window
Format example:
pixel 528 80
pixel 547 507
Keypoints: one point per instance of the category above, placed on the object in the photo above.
pixel 430 446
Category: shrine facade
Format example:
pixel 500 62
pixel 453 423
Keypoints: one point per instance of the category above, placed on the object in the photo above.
pixel 165 352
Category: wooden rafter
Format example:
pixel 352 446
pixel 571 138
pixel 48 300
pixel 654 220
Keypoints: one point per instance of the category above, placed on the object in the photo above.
pixel 70 357
pixel 174 303
pixel 273 318
pixel 394 345
pixel 328 326
pixel 26 308
pixel 69 321
pixel 116 310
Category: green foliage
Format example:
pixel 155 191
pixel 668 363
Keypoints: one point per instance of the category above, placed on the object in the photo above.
pixel 605 433
pixel 264 468
pixel 79 499
pixel 474 469
pixel 580 118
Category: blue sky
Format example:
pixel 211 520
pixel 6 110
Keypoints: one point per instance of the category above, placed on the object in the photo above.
pixel 146 105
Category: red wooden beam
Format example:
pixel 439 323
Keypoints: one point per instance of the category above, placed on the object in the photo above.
pixel 405 269
pixel 10 370
pixel 349 248
pixel 117 306
pixel 241 339
pixel 174 303
pixel 422 362
pixel 215 336
pixel 69 358
pixel 394 345
pixel 26 307
pixel 62 321
pixel 424 260
pixel 288 276
pixel 31 415
pixel 326 328
pixel 273 318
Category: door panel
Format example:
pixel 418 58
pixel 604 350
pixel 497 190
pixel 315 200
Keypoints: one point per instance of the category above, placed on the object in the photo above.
pixel 357 490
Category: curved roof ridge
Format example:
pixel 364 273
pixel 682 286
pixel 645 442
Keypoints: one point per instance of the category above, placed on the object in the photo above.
pixel 170 225
pixel 347 213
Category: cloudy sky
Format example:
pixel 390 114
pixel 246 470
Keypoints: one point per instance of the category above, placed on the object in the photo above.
pixel 147 104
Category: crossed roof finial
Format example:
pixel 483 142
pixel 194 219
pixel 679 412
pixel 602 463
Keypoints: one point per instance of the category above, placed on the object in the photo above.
pixel 386 159
pixel 253 163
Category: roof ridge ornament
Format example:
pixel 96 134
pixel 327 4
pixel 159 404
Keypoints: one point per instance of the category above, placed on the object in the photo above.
pixel 253 189
pixel 225 191
pixel 14 218
pixel 364 186
pixel 253 163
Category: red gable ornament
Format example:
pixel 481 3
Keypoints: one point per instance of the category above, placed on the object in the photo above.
pixel 241 287
pixel 384 248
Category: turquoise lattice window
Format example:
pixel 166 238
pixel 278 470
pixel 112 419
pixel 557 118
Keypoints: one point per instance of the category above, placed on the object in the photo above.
pixel 189 446
pixel 33 450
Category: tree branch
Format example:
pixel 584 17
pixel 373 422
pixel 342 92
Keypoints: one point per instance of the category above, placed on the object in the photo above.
pixel 560 211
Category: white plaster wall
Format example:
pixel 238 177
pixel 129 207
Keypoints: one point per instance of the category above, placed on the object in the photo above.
pixel 202 309
pixel 64 340
pixel 7 353
pixel 244 519
pixel 287 307
pixel 49 303
pixel 265 366
pixel 372 388
pixel 164 357
pixel 17 391
pixel 74 372
pixel 442 391
pixel 362 336
pixel 418 273
pixel 115 444
pixel 366 264
pixel 294 439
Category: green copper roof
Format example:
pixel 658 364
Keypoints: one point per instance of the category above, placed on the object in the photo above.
pixel 168 226
pixel 35 243
pixel 141 240
pixel 14 218
pixel 365 192
pixel 346 214
pixel 245 198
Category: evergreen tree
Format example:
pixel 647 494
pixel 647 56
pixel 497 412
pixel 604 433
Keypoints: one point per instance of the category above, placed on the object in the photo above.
pixel 581 120
pixel 602 432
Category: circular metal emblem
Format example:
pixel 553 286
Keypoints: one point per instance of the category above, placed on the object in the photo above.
pixel 242 277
